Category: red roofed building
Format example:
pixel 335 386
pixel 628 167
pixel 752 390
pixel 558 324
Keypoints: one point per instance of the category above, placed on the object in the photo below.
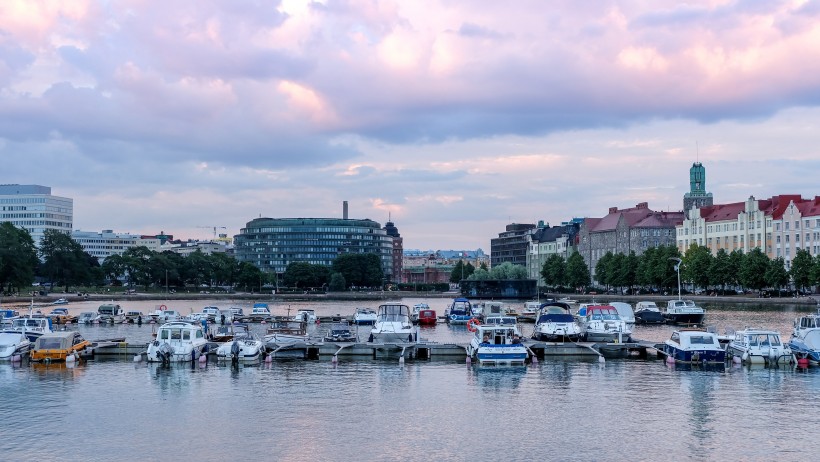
pixel 628 230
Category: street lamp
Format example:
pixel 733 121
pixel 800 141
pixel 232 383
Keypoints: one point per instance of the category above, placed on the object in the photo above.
pixel 677 270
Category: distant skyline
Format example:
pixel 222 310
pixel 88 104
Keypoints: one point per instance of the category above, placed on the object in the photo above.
pixel 454 117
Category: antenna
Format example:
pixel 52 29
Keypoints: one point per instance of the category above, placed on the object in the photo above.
pixel 697 151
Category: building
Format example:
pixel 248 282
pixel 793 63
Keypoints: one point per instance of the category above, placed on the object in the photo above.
pixel 105 243
pixel 436 266
pixel 546 241
pixel 34 208
pixel 272 243
pixel 397 252
pixel 626 230
pixel 697 195
pixel 511 245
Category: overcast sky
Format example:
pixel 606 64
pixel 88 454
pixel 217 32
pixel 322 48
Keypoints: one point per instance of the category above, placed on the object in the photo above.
pixel 456 117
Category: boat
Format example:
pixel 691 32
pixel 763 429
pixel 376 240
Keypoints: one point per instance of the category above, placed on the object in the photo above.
pixel 555 323
pixel 626 313
pixel 259 312
pixel 135 317
pixel 364 317
pixel 111 313
pixel 7 316
pixel 393 325
pixel 244 347
pixel 427 318
pixel 13 344
pixel 285 332
pixel 683 312
pixel 59 346
pixel 417 308
pixel 61 316
pixel 165 316
pixel 88 317
pixel 648 313
pixel 307 315
pixel 60 301
pixel 694 346
pixel 759 346
pixel 32 326
pixel 602 323
pixel 340 332
pixel 212 312
pixel 497 345
pixel 221 334
pixel 805 339
pixel 460 311
pixel 177 341
pixel 530 311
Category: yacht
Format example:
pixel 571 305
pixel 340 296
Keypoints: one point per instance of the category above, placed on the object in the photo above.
pixel 759 346
pixel 177 342
pixel 555 323
pixel 393 325
pixel 259 312
pixel 32 326
pixel 111 313
pixel 602 323
pixel 88 317
pixel 244 347
pixel 805 339
pixel 460 311
pixel 364 317
pixel 694 346
pixel 286 332
pixel 6 317
pixel 305 315
pixel 497 345
pixel 12 344
pixel 683 312
pixel 625 312
pixel 648 313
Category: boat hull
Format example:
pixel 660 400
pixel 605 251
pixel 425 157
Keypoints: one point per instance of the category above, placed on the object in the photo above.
pixel 801 350
pixel 392 337
pixel 694 356
pixel 760 357
pixel 684 318
pixel 501 355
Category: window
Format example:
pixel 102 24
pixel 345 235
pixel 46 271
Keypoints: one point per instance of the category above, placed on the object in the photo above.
pixel 777 226
pixel 787 238
pixel 777 239
pixel 796 238
pixel 786 226
pixel 797 224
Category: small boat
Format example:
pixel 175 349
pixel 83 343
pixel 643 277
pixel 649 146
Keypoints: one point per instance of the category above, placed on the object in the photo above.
pixel 626 313
pixel 759 346
pixel 177 342
pixel 60 301
pixel 427 318
pixel 497 345
pixel 805 339
pixel 32 326
pixel 364 317
pixel 134 317
pixel 460 311
pixel 340 332
pixel 393 325
pixel 244 347
pixel 61 316
pixel 88 317
pixel 694 346
pixel 211 312
pixel 648 313
pixel 59 346
pixel 259 312
pixel 305 315
pixel 7 316
pixel 285 332
pixel 417 308
pixel 222 333
pixel 602 323
pixel 111 313
pixel 530 311
pixel 12 344
pixel 555 323
pixel 683 312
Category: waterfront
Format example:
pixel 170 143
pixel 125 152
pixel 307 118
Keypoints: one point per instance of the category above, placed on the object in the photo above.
pixel 558 409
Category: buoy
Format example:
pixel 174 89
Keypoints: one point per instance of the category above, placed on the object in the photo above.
pixel 70 358
pixel 803 362
pixel 263 322
pixel 203 359
pixel 670 360
pixel 268 359
pixel 17 358
pixel 601 359
pixel 469 360
pixel 137 358
pixel 736 359
pixel 334 359
pixel 401 359
pixel 534 359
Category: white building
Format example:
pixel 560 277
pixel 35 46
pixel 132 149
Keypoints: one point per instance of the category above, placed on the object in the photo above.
pixel 105 243
pixel 34 208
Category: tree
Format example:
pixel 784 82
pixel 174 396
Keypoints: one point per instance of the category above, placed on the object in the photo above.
pixel 457 274
pixel 469 269
pixel 337 283
pixel 776 275
pixel 631 276
pixel 696 263
pixel 801 269
pixel 577 271
pixel 719 270
pixel 735 264
pixel 480 274
pixel 18 258
pixel 507 270
pixel 136 265
pixel 64 260
pixel 603 270
pixel 753 269
pixel 114 268
pixel 554 270
pixel 359 269
pixel 250 277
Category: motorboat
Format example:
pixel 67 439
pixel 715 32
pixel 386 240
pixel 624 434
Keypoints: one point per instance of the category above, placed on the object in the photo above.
pixel 417 308
pixel 13 344
pixel 805 339
pixel 625 312
pixel 602 323
pixel 694 346
pixel 530 311
pixel 497 345
pixel 222 333
pixel 165 316
pixel 555 323
pixel 759 346
pixel 134 316
pixel 111 313
pixel 211 312
pixel 683 312
pixel 61 316
pixel 32 326
pixel 648 313
pixel 460 311
pixel 393 325
pixel 88 317
pixel 286 332
pixel 60 301
pixel 428 318
pixel 177 341
pixel 340 332
pixel 307 315
pixel 59 346
pixel 7 316
pixel 364 317
pixel 244 347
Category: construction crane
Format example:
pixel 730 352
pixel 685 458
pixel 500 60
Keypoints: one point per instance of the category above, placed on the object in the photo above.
pixel 214 228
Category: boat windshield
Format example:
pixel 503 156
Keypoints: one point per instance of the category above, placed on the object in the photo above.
pixel 702 340
pixel 51 343
pixel 393 313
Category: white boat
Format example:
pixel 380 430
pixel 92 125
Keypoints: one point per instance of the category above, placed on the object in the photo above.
pixel 364 317
pixel 259 312
pixel 6 318
pixel 805 339
pixel 492 308
pixel 683 312
pixel 286 332
pixel 306 315
pixel 694 346
pixel 177 342
pixel 32 326
pixel 626 313
pixel 134 316
pixel 648 313
pixel 759 346
pixel 460 311
pixel 340 332
pixel 245 346
pixel 417 308
pixel 393 325
pixel 602 323
pixel 497 345
pixel 555 323
pixel 111 313
pixel 88 317
pixel 13 344
pixel 212 312
pixel 60 301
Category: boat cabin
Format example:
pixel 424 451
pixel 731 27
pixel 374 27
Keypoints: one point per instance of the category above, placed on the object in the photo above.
pixel 289 327
pixel 427 317
pixel 682 306
pixel 179 331
pixel 393 313
pixel 602 313
pixel 31 324
pixel 492 334
pixel 110 310
pixel 695 339
pixel 461 306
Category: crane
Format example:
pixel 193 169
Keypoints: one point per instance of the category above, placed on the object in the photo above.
pixel 214 228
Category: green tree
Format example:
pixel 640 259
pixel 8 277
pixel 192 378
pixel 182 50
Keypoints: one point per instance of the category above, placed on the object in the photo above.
pixel 337 283
pixel 507 271
pixel 719 270
pixel 457 274
pixel 696 263
pixel 735 265
pixel 776 275
pixel 359 269
pixel 553 272
pixel 631 276
pixel 618 276
pixel 480 274
pixel 801 269
pixel 753 269
pixel 114 267
pixel 64 260
pixel 136 265
pixel 250 277
pixel 18 258
pixel 577 271
pixel 603 270
pixel 469 269
pixel 301 275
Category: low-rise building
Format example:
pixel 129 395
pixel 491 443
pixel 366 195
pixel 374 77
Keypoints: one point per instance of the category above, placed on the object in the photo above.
pixel 546 241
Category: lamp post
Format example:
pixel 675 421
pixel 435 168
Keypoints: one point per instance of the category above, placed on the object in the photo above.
pixel 166 282
pixel 677 270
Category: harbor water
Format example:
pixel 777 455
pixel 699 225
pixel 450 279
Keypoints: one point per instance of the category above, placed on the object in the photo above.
pixel 556 409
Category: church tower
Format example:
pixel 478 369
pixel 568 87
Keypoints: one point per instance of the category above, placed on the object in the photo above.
pixel 697 195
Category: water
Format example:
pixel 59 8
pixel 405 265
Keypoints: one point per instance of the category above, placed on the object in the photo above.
pixel 565 409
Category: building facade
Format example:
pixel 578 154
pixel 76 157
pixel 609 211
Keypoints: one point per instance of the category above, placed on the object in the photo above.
pixel 511 245
pixel 397 252
pixel 546 241
pixel 697 195
pixel 272 243
pixel 105 243
pixel 623 231
pixel 34 208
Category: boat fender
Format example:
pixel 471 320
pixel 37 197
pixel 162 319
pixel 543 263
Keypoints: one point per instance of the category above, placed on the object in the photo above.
pixel 47 360
pixel 745 357
pixel 71 358
pixel 137 358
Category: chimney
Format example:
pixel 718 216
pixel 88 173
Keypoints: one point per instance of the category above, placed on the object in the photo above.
pixel 613 210
pixel 642 205
pixel 344 210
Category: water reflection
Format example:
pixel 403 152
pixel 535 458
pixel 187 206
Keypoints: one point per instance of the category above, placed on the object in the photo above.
pixel 496 379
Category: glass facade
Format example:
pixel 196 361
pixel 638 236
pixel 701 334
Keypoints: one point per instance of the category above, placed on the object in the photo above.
pixel 34 208
pixel 272 243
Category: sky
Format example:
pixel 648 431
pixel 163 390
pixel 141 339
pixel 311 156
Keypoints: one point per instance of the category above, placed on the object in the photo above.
pixel 453 118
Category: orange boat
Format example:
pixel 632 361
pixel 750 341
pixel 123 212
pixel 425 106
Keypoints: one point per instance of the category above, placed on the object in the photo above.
pixel 56 346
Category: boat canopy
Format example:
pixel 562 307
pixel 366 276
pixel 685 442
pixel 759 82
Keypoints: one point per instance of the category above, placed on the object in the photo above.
pixel 552 317
pixel 61 340
pixel 390 313
pixel 812 339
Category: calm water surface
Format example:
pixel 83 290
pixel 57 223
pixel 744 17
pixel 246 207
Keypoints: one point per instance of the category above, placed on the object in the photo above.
pixel 558 409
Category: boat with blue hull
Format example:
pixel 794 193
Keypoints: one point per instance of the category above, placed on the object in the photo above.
pixel 460 311
pixel 694 346
pixel 497 345
pixel 805 339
